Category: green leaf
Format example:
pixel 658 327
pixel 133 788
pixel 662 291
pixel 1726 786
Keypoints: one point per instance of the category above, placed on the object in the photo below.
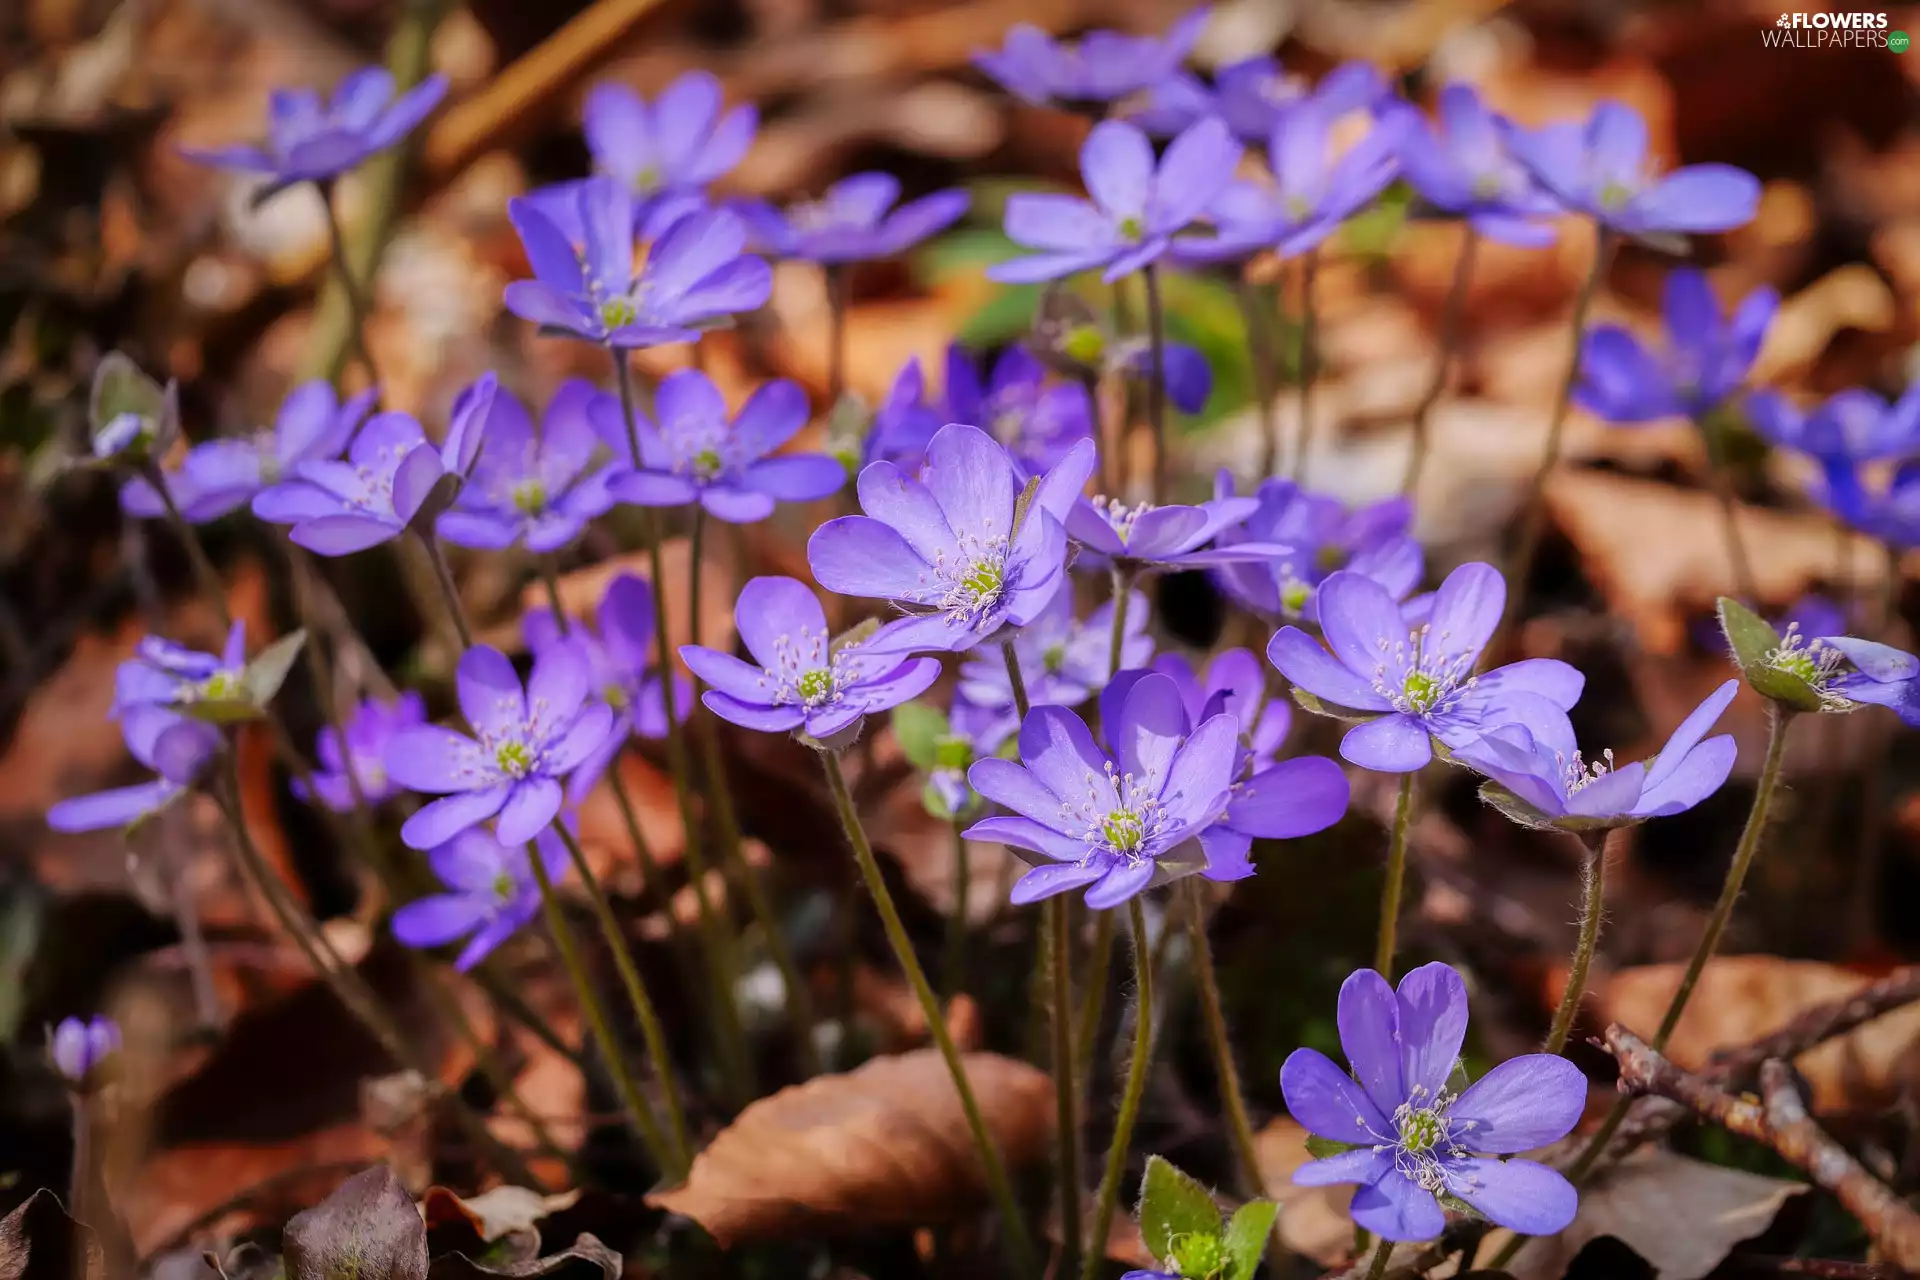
pixel 935 803
pixel 1172 1207
pixel 1247 1235
pixel 1326 1148
pixel 919 726
pixel 120 387
pixel 268 670
pixel 1750 636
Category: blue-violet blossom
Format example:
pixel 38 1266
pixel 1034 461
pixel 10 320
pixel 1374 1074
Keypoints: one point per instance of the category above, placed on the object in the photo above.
pixel 368 732
pixel 855 221
pixel 491 893
pixel 1323 537
pixel 309 140
pixel 80 1046
pixel 1703 362
pixel 176 748
pixel 532 486
pixel 1102 66
pixel 1463 166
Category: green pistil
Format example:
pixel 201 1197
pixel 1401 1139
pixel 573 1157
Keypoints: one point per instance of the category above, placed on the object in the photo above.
pixel 1298 208
pixel 815 684
pixel 530 497
pixel 513 758
pixel 615 696
pixel 1330 558
pixel 1613 195
pixel 647 181
pixel 1200 1256
pixel 221 686
pixel 1486 186
pixel 952 753
pixel 617 313
pixel 707 463
pixel 503 887
pixel 1054 657
pixel 1798 662
pixel 1421 1131
pixel 1294 596
pixel 983 581
pixel 1422 691
pixel 1124 831
pixel 1085 344
pixel 1131 228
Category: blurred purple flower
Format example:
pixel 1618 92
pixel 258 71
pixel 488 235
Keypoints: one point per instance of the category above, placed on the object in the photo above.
pixel 904 423
pixel 174 747
pixel 392 478
pixel 620 669
pixel 165 674
pixel 1548 783
pixel 974 732
pixel 1600 168
pixel 1036 420
pixel 80 1047
pixel 221 476
pixel 1412 1137
pixel 1323 536
pixel 672 146
pixel 1169 537
pixel 311 141
pixel 950 547
pixel 1112 824
pixel 696 453
pixel 1135 208
pixel 1463 166
pixel 803 683
pixel 1417 679
pixel 1104 65
pixel 368 734
pixel 491 893
pixel 1062 661
pixel 1856 425
pixel 532 486
pixel 1253 93
pixel 696 272
pixel 526 739
pixel 1706 357
pixel 854 222
pixel 1875 673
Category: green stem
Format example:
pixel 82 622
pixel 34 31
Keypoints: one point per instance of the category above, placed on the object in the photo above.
pixel 1593 890
pixel 1450 317
pixel 1239 1126
pixel 1381 1255
pixel 1020 703
pixel 203 571
pixel 1054 920
pixel 357 308
pixel 954 963
pixel 1396 879
pixel 1136 1087
pixel 839 300
pixel 1019 1246
pixel 1533 509
pixel 1093 997
pixel 1122 597
pixel 80 1175
pixel 630 416
pixel 598 1023
pixel 1303 439
pixel 1265 377
pixel 1157 382
pixel 449 592
pixel 1721 478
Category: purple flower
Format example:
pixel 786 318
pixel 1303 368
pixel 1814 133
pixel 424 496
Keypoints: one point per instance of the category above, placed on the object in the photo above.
pixel 804 682
pixel 311 141
pixel 491 893
pixel 1465 167
pixel 950 547
pixel 1235 677
pixel 368 734
pixel 1891 514
pixel 974 732
pixel 165 674
pixel 525 740
pixel 697 454
pixel 1063 662
pixel 80 1048
pixel 391 479
pixel 173 746
pixel 1135 209
pixel 1879 674
pixel 1310 192
pixel 532 486
pixel 1112 824
pixel 1413 1138
pixel 673 146
pixel 220 476
pixel 1166 537
pixel 855 221
pixel 131 419
pixel 904 423
pixel 1035 420
pixel 1077 343
pixel 1706 357
pixel 695 273
pixel 1853 426
pixel 620 669
pixel 1253 93
pixel 1600 168
pixel 1104 65
pixel 1417 679
pixel 1323 536
pixel 1544 781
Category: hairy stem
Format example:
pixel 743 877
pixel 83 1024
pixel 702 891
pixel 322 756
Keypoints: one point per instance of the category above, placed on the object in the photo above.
pixel 1130 1096
pixel 357 307
pixel 1122 597
pixel 954 962
pixel 449 592
pixel 1720 476
pixel 203 571
pixel 1593 888
pixel 1239 1126
pixel 1020 703
pixel 1396 879
pixel 1055 922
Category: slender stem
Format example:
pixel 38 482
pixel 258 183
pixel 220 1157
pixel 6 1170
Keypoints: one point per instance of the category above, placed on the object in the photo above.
pixel 1054 920
pixel 550 577
pixel 1381 1255
pixel 1533 509
pixel 1157 383
pixel 598 1023
pixel 954 963
pixel 1721 478
pixel 193 944
pixel 1239 1126
pixel 1778 718
pixel 623 378
pixel 1449 337
pixel 449 592
pixel 1396 879
pixel 1303 440
pixel 839 299
pixel 1593 890
pixel 357 308
pixel 1019 1246
pixel 203 571
pixel 644 1011
pixel 1265 377
pixel 1136 1087
pixel 80 1175
pixel 1122 597
pixel 1093 997
pixel 1020 703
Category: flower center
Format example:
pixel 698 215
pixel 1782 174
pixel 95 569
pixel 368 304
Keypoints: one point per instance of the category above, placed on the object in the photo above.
pixel 1294 596
pixel 614 694
pixel 1421 1130
pixel 513 758
pixel 815 686
pixel 1085 344
pixel 1124 830
pixel 617 313
pixel 1298 207
pixel 952 753
pixel 1422 691
pixel 1121 815
pixel 1580 774
pixel 647 181
pixel 503 887
pixel 1131 228
pixel 1330 558
pixel 804 671
pixel 1196 1255
pixel 530 497
pixel 1054 657
pixel 1118 514
pixel 221 686
pixel 1812 661
pixel 1488 186
pixel 1431 679
pixel 1615 194
pixel 972 585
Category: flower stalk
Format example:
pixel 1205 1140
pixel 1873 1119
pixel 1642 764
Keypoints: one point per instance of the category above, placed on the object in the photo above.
pixel 1307 365
pixel 1450 320
pixel 1593 888
pixel 1130 1096
pixel 1395 884
pixel 1157 382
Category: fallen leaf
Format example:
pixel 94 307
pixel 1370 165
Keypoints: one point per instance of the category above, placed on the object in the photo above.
pixel 1313 1220
pixel 883 1145
pixel 38 1242
pixel 585 1252
pixel 1639 1200
pixel 1739 999
pixel 502 1221
pixel 368 1225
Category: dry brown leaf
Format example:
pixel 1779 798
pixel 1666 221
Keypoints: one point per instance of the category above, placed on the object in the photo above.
pixel 1849 297
pixel 1313 1220
pixel 1741 998
pixel 883 1145
pixel 1638 1202
pixel 512 1213
pixel 1658 555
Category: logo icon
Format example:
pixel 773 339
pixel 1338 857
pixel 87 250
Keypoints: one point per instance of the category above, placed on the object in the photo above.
pixel 1898 41
pixel 1785 20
